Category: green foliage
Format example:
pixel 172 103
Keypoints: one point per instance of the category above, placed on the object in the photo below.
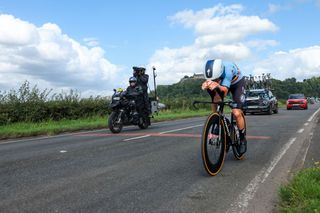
pixel 32 105
pixel 302 194
pixel 186 88
pixel 181 95
pixel 309 87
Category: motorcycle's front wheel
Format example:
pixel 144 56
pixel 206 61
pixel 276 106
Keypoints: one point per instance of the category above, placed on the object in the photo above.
pixel 115 123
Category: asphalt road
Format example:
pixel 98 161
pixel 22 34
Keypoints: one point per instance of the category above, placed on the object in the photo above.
pixel 153 170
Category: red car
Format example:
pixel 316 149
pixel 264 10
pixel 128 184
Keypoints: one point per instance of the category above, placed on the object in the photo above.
pixel 297 101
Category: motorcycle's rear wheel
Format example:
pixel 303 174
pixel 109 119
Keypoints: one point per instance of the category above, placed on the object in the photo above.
pixel 144 124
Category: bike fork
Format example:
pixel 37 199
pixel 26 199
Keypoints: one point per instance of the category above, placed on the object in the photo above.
pixel 119 116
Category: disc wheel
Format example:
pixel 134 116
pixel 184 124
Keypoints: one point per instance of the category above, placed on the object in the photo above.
pixel 213 146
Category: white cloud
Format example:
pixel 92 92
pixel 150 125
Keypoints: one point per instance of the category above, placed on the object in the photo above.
pixel 91 42
pixel 220 33
pixel 222 24
pixel 299 63
pixel 16 32
pixel 274 8
pixel 262 44
pixel 46 56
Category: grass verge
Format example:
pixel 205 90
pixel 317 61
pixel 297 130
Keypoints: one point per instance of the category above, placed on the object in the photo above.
pixel 179 114
pixel 302 194
pixel 24 129
pixel 282 103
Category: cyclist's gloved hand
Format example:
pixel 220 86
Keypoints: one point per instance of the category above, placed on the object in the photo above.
pixel 208 84
pixel 205 84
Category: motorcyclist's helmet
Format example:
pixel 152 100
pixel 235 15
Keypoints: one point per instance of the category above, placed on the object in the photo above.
pixel 132 81
pixel 214 69
pixel 139 70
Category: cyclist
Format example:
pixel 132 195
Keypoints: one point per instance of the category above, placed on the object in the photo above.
pixel 226 76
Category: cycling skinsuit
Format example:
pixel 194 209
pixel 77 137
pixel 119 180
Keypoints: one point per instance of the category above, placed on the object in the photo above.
pixel 233 79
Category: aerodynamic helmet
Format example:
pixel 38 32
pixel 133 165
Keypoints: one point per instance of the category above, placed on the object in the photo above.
pixel 214 69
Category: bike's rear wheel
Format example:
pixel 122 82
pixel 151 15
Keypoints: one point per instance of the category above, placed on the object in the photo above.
pixel 213 147
pixel 236 140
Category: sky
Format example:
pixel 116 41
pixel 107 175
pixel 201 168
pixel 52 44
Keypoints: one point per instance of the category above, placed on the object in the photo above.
pixel 91 46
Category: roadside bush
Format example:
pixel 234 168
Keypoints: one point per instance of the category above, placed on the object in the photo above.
pixel 32 105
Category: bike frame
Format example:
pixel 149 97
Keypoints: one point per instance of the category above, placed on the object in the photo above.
pixel 222 116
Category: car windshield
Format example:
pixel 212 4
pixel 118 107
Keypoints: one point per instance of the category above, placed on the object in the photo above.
pixel 296 96
pixel 257 94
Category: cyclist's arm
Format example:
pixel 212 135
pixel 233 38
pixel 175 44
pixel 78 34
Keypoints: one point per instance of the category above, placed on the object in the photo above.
pixel 223 89
pixel 226 83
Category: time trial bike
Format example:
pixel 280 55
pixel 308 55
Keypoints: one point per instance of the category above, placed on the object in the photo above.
pixel 218 135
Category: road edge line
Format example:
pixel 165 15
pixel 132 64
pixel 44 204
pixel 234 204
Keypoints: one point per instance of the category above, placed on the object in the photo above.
pixel 248 193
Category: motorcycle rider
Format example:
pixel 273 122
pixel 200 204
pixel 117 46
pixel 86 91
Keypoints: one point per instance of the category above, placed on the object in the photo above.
pixel 142 80
pixel 135 92
pixel 226 76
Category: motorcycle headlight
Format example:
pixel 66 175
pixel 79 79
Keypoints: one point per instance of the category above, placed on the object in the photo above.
pixel 116 98
pixel 265 102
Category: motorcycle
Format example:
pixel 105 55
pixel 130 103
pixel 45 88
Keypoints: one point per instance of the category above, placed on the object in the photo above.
pixel 124 112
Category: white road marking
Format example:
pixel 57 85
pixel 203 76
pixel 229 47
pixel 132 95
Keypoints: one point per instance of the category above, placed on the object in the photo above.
pixel 305 154
pixel 306 124
pixel 63 151
pixel 135 138
pixel 242 201
pixel 314 114
pixel 176 130
pixel 173 130
pixel 300 130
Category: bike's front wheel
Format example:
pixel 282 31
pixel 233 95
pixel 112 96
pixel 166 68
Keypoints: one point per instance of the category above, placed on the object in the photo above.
pixel 213 144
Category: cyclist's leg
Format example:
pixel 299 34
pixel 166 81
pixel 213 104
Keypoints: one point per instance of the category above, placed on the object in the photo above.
pixel 238 95
pixel 214 98
pixel 238 114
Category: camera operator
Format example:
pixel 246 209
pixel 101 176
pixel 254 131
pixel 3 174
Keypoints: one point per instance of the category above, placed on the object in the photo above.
pixel 142 80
